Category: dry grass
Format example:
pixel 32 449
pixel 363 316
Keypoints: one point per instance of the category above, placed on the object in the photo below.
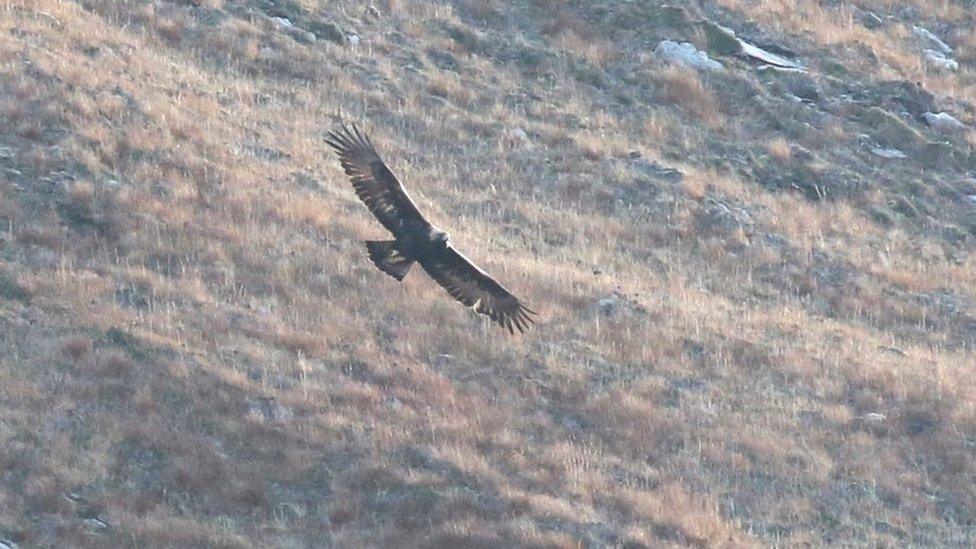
pixel 779 149
pixel 196 351
pixel 684 87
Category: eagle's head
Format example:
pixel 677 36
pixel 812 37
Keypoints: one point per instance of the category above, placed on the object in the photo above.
pixel 439 237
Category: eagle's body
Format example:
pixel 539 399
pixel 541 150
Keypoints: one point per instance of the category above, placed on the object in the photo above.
pixel 416 240
pixel 412 244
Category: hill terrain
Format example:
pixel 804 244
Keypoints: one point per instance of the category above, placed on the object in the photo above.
pixel 756 286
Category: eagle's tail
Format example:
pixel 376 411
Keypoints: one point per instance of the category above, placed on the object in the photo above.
pixel 387 258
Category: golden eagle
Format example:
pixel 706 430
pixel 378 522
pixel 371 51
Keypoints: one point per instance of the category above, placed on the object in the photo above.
pixel 416 239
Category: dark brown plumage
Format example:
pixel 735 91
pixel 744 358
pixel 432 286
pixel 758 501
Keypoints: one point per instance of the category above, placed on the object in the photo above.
pixel 416 239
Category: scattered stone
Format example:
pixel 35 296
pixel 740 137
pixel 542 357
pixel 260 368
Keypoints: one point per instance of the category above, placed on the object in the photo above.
pixel 519 133
pixel 304 36
pixel 776 240
pixel 609 306
pixel 944 122
pixel 971 198
pixel 890 131
pixel 658 171
pixel 6 152
pixel 720 41
pixel 723 219
pixel 888 152
pixel 767 67
pixel 284 22
pixel 95 525
pixel 775 61
pixel 7 544
pixel 933 40
pixel 869 19
pixel 939 60
pixel 354 39
pixel 803 87
pixel 874 417
pixel 617 304
pixel 733 45
pixel 444 60
pixel 897 95
pixel 300 35
pixel 76 497
pixel 892 350
pixel 687 55
pixel 571 423
pixel 327 30
pixel 443 360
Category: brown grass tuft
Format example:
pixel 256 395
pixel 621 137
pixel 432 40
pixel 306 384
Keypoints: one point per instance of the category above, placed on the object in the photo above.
pixel 779 149
pixel 685 88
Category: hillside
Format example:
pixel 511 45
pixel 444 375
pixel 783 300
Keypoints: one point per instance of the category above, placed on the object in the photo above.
pixel 757 287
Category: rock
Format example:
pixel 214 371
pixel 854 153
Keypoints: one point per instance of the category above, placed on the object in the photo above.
pixel 617 304
pixel 7 544
pixel 897 96
pixel 354 39
pixel 283 21
pixel 519 134
pixel 444 60
pixel 874 417
pixel 776 240
pixel 327 30
pixel 95 525
pixel 944 122
pixel 891 131
pixel 609 306
pixel 722 219
pixel 892 350
pixel 687 55
pixel 720 40
pixel 869 19
pixel 443 360
pixel 931 39
pixel 303 36
pixel 772 59
pixel 938 60
pixel 725 42
pixel 888 152
pixel 658 171
pixel 803 87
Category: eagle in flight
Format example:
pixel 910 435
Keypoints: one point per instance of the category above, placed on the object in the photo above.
pixel 416 240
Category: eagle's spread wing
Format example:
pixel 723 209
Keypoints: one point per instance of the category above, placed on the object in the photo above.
pixel 475 288
pixel 375 184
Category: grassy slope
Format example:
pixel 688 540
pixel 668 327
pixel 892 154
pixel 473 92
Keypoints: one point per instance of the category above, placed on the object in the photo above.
pixel 196 351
